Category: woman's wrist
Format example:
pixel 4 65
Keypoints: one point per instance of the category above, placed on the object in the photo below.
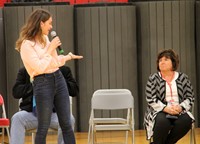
pixel 70 55
pixel 164 109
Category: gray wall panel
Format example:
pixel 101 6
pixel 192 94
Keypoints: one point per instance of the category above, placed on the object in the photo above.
pixel 153 32
pixel 3 91
pixel 81 48
pixel 118 46
pixel 112 46
pixel 103 47
pixel 182 33
pixel 198 52
pixel 103 28
pixel 96 61
pixel 95 26
pixel 85 69
pixel 145 29
pixel 160 25
pixel 167 24
pixel 12 56
pixel 110 60
pixel 176 25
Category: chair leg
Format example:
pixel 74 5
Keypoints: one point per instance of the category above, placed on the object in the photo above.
pixel 150 140
pixel 3 131
pixel 33 138
pixel 192 135
pixel 133 137
pixel 8 133
pixel 126 137
pixel 94 137
pixel 89 135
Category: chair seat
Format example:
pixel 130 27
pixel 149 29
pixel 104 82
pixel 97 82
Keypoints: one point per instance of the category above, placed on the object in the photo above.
pixel 109 120
pixel 35 130
pixel 4 122
pixel 113 127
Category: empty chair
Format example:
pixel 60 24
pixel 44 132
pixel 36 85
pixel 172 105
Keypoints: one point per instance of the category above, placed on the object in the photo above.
pixel 111 99
pixel 4 121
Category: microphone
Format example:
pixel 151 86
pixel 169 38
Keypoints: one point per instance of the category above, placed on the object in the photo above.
pixel 53 35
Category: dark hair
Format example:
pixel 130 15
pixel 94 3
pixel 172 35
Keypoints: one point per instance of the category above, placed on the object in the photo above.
pixel 171 55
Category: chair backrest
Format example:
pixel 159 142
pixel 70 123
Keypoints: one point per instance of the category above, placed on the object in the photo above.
pixel 3 106
pixel 120 99
pixel 4 121
pixel 1 100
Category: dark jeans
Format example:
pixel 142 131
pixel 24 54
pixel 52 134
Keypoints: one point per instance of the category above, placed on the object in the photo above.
pixel 169 131
pixel 51 92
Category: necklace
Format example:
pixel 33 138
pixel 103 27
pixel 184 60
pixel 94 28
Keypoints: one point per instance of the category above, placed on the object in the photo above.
pixel 168 81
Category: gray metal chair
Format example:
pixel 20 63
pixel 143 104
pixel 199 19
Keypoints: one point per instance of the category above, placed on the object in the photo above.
pixel 111 99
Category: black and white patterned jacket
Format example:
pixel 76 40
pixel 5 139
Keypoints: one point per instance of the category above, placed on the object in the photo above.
pixel 155 96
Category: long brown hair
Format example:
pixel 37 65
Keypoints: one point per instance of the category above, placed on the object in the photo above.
pixel 31 28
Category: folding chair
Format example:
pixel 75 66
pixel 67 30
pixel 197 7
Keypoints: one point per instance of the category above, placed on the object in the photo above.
pixel 111 99
pixel 4 121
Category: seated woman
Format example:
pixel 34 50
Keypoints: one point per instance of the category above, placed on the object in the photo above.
pixel 170 98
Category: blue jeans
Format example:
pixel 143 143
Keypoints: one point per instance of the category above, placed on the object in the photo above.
pixel 23 120
pixel 51 92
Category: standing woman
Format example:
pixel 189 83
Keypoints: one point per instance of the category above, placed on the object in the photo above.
pixel 42 63
pixel 170 98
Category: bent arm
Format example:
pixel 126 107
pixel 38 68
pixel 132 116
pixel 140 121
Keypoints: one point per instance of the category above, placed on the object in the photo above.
pixel 152 98
pixel 188 95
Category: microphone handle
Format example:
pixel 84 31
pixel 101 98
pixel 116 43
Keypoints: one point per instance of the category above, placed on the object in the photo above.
pixel 61 51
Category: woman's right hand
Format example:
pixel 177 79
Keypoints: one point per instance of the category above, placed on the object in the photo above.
pixel 170 110
pixel 55 43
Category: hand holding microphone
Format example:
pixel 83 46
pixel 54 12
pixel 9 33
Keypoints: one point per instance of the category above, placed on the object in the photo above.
pixel 55 38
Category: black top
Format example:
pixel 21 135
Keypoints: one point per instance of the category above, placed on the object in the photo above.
pixel 23 87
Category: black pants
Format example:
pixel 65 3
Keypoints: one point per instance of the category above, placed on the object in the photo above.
pixel 169 131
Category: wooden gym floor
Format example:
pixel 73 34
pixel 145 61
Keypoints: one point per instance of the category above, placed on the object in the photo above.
pixel 114 138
